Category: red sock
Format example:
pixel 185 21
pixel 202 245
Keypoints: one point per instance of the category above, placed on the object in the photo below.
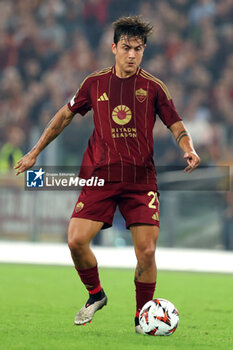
pixel 144 293
pixel 90 278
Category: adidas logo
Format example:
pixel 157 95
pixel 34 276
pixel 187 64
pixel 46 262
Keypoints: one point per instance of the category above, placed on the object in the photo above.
pixel 155 216
pixel 103 97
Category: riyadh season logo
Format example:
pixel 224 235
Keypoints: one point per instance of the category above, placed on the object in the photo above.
pixel 121 115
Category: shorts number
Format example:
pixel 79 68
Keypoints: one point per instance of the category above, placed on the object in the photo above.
pixel 154 198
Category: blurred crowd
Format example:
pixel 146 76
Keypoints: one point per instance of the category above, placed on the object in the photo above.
pixel 48 47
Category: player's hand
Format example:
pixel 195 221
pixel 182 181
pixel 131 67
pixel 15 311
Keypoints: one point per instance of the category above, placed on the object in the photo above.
pixel 26 162
pixel 193 161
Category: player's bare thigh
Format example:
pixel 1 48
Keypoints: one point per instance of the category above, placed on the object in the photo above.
pixel 82 231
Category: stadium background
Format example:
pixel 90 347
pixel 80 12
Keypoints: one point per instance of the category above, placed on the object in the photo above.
pixel 48 47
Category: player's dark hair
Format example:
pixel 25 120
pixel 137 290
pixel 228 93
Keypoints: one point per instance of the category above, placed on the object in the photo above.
pixel 131 27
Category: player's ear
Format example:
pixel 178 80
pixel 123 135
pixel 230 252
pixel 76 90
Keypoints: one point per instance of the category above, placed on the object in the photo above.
pixel 114 47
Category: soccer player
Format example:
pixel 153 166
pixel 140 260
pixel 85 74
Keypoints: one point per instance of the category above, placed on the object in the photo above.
pixel 125 100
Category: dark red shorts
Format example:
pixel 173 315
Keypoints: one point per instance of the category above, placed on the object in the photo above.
pixel 136 206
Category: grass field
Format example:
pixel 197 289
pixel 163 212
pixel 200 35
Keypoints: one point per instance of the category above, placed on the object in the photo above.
pixel 38 305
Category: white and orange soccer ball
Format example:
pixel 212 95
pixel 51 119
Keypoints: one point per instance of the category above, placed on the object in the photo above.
pixel 159 317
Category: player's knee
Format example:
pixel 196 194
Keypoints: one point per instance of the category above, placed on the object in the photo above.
pixel 76 242
pixel 147 255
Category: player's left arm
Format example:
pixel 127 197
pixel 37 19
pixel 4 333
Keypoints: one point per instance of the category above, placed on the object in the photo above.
pixel 184 140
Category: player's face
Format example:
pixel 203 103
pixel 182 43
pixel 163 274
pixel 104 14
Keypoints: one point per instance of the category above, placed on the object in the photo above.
pixel 128 53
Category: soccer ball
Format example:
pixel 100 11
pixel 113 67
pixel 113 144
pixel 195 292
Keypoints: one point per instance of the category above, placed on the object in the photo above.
pixel 159 317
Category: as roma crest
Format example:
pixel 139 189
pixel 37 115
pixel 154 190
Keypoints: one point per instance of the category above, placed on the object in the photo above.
pixel 79 207
pixel 141 95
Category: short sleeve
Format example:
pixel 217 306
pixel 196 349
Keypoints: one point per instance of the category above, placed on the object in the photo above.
pixel 81 102
pixel 165 107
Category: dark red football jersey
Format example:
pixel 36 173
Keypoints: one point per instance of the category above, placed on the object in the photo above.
pixel 121 145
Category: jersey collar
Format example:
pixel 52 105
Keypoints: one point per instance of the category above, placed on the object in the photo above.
pixel 136 73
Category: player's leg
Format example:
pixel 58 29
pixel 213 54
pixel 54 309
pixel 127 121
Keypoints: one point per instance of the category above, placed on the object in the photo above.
pixel 94 208
pixel 141 212
pixel 80 233
pixel 144 239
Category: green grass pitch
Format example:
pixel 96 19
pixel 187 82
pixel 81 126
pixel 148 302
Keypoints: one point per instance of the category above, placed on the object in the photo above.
pixel 38 305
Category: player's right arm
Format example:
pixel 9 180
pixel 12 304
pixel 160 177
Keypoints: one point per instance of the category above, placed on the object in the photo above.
pixel 61 119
